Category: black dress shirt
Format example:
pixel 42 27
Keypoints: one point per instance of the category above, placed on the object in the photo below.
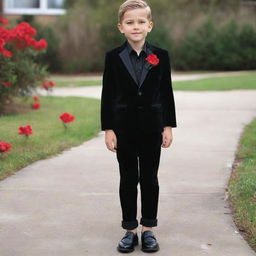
pixel 137 60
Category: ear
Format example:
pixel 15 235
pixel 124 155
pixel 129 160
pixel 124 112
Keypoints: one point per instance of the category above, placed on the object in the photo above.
pixel 150 26
pixel 120 27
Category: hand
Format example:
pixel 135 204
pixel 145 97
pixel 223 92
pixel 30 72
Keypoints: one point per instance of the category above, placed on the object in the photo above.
pixel 167 137
pixel 111 140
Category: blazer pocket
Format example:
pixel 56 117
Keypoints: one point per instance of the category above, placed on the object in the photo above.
pixel 120 115
pixel 157 107
pixel 121 106
pixel 151 119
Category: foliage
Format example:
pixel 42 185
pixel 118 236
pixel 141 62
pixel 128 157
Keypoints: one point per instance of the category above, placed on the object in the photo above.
pixel 230 47
pixel 89 29
pixel 19 74
pixel 51 57
pixel 79 35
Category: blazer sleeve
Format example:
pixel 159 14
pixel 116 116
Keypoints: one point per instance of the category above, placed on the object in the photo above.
pixel 169 115
pixel 107 96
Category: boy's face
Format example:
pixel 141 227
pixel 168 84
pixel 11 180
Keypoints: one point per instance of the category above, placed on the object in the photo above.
pixel 135 25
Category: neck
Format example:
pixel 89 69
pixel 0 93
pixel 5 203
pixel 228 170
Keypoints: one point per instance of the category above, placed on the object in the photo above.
pixel 137 46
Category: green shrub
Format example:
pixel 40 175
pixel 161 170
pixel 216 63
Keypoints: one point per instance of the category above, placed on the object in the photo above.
pixel 229 47
pixel 193 31
pixel 79 35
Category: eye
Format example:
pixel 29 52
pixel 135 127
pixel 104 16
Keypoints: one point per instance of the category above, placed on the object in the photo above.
pixel 129 22
pixel 142 21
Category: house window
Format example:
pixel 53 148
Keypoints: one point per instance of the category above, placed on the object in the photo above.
pixel 55 3
pixel 23 4
pixel 34 7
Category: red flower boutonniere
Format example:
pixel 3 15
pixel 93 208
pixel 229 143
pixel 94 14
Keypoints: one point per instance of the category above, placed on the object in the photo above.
pixel 152 61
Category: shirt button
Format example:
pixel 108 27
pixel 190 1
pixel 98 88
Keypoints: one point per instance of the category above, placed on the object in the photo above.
pixel 139 93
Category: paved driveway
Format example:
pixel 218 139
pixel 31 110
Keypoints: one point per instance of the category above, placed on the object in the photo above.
pixel 68 205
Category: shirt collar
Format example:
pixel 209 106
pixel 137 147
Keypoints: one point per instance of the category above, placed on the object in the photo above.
pixel 130 49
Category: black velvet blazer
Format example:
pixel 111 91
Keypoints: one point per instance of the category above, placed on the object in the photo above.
pixel 128 106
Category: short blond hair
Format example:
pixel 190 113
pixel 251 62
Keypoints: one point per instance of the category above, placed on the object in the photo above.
pixel 133 4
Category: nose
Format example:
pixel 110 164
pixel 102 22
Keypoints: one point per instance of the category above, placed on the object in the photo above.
pixel 136 25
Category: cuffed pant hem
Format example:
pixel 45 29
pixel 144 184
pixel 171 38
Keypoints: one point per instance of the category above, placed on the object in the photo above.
pixel 148 222
pixel 129 224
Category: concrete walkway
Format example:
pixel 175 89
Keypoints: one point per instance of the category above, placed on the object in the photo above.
pixel 69 205
pixel 95 91
pixel 176 76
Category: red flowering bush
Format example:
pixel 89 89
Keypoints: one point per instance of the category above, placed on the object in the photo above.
pixel 66 118
pixel 36 104
pixel 47 85
pixel 19 74
pixel 25 130
pixel 7 84
pixel 4 147
pixel 20 37
pixel 36 98
pixel 4 21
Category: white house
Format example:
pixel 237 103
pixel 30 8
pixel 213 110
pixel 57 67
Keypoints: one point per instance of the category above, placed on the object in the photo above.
pixel 44 10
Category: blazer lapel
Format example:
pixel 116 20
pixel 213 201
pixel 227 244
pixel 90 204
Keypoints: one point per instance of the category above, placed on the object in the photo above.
pixel 127 62
pixel 145 70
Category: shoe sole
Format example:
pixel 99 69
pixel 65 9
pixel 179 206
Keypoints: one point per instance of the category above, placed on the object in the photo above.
pixel 150 249
pixel 126 250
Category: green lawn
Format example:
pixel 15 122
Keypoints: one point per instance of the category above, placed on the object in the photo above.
pixel 49 136
pixel 242 185
pixel 77 83
pixel 245 81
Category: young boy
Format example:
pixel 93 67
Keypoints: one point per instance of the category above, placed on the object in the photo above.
pixel 137 115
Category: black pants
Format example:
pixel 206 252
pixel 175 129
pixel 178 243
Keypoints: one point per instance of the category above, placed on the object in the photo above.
pixel 138 155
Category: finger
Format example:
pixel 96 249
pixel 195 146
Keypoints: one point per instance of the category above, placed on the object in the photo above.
pixel 115 143
pixel 114 147
pixel 169 142
pixel 163 140
pixel 111 147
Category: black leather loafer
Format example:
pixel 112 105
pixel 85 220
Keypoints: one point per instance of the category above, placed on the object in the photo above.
pixel 128 242
pixel 149 242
